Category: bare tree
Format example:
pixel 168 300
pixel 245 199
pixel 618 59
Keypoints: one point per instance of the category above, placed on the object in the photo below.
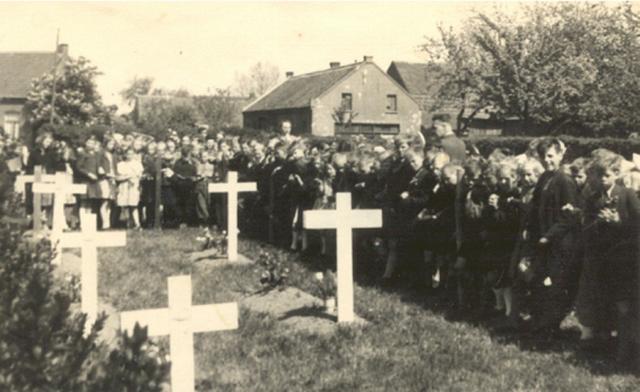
pixel 259 78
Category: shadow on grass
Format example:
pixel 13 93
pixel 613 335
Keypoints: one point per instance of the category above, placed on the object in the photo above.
pixel 308 311
pixel 368 268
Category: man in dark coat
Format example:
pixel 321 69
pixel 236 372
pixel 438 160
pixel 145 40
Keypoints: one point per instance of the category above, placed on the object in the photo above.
pixel 553 233
pixel 610 269
pixel 184 175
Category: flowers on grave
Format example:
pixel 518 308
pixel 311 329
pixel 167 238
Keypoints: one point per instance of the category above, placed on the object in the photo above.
pixel 275 272
pixel 326 286
pixel 213 239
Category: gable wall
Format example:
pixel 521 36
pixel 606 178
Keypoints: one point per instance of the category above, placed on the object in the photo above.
pixel 369 87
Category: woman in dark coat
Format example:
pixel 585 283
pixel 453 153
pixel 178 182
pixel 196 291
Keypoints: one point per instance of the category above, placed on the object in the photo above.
pixel 44 155
pixel 148 185
pixel 88 168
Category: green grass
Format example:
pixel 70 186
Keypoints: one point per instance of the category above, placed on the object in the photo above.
pixel 405 347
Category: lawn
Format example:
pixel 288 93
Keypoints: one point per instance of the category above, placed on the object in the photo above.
pixel 407 345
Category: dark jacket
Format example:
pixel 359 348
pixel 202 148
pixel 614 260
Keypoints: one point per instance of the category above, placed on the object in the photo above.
pixel 553 191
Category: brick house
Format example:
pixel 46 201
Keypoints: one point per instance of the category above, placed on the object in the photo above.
pixel 17 70
pixel 420 80
pixel 354 98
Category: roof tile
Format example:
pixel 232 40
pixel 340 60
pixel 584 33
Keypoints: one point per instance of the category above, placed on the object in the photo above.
pixel 298 91
pixel 17 70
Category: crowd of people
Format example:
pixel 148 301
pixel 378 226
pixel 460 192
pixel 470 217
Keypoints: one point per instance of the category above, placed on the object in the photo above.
pixel 526 238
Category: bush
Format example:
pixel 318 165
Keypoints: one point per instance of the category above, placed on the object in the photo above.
pixel 75 134
pixel 135 365
pixel 576 146
pixel 42 341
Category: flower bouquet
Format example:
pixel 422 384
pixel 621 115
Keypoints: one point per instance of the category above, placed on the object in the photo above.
pixel 326 283
pixel 213 239
pixel 275 272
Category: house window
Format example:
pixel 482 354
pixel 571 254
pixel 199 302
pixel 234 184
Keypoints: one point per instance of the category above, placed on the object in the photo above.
pixel 12 125
pixel 392 103
pixel 347 102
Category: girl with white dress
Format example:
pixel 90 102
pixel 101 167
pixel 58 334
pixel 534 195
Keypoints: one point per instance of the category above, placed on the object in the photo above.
pixel 129 174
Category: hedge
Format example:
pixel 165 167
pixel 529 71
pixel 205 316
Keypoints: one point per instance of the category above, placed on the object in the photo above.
pixel 576 146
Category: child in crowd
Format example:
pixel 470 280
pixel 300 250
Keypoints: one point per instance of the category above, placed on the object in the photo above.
pixel 129 175
pixel 500 221
pixel 553 236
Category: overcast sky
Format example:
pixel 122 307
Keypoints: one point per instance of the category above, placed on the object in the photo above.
pixel 201 46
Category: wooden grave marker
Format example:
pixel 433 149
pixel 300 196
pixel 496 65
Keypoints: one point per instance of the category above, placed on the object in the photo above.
pixel 36 177
pixel 180 321
pixel 232 187
pixel 343 219
pixel 88 240
pixel 23 179
pixel 61 187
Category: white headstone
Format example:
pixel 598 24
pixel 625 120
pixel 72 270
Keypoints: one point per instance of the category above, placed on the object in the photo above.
pixel 180 321
pixel 232 187
pixel 88 240
pixel 344 220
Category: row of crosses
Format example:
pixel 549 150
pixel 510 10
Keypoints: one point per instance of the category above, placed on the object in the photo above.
pixel 180 320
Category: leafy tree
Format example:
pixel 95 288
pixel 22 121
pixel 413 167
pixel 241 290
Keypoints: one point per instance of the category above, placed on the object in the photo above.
pixel 259 78
pixel 219 110
pixel 161 114
pixel 137 86
pixel 77 100
pixel 566 66
pixel 181 92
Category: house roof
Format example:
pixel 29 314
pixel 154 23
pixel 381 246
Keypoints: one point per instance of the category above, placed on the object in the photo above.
pixel 414 77
pixel 17 70
pixel 299 91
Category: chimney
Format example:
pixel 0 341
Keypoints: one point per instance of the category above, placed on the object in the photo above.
pixel 334 64
pixel 368 59
pixel 63 49
pixel 289 74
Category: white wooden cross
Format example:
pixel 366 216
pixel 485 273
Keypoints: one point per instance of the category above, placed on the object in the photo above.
pixel 180 321
pixel 61 187
pixel 24 179
pixel 344 220
pixel 88 240
pixel 232 187
pixel 19 188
